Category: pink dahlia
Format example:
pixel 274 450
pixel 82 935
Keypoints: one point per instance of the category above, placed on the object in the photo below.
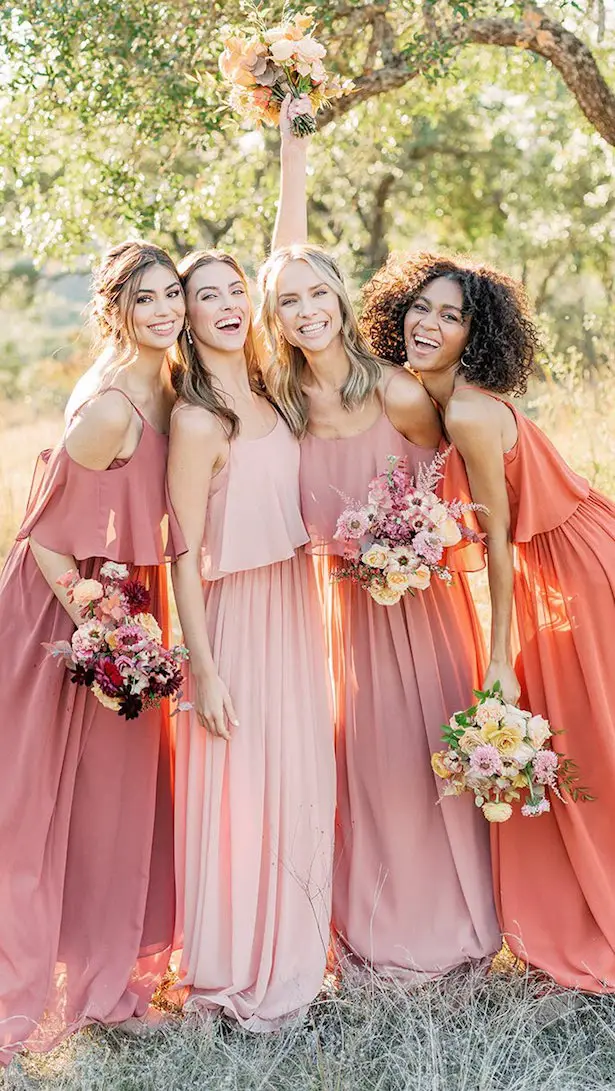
pixel 531 810
pixel 545 766
pixel 486 760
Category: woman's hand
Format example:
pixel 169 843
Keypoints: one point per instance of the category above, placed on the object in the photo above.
pixel 291 108
pixel 502 672
pixel 213 706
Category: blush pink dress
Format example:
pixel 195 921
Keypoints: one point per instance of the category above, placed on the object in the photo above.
pixel 412 880
pixel 555 874
pixel 254 816
pixel 86 841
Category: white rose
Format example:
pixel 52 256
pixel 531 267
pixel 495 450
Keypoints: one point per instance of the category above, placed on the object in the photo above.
pixel 538 730
pixel 522 754
pixel 420 577
pixel 449 531
pixel 384 596
pixel 398 581
pixel 376 557
pixel 283 50
pixel 309 50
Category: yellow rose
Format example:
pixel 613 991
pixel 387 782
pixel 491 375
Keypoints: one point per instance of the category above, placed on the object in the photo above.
pixel 488 729
pixel 420 577
pixel 438 766
pixel 497 812
pixel 384 596
pixel 470 739
pixel 507 740
pixel 151 626
pixel 376 557
pixel 108 702
pixel 398 581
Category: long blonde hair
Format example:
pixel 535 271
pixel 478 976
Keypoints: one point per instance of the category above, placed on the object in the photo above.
pixel 191 379
pixel 115 286
pixel 284 366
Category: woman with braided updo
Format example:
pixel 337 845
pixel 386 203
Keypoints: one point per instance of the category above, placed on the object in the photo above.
pixel 468 331
pixel 87 895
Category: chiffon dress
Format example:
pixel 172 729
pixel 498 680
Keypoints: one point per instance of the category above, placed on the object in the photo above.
pixel 412 888
pixel 555 874
pixel 86 842
pixel 254 816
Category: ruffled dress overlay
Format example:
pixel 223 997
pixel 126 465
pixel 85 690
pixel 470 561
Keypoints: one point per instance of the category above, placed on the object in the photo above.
pixel 412 891
pixel 87 898
pixel 555 875
pixel 254 816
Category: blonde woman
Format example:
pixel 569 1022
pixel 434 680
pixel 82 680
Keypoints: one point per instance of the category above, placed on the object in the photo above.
pixel 86 843
pixel 255 768
pixel 412 891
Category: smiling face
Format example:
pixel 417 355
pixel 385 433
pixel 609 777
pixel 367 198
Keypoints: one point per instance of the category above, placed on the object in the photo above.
pixel 435 329
pixel 218 306
pixel 308 310
pixel 159 308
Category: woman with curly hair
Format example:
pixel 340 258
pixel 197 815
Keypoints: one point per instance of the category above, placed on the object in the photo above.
pixel 411 888
pixel 468 331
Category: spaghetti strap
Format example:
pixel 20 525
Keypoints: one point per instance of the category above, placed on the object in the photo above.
pixel 106 391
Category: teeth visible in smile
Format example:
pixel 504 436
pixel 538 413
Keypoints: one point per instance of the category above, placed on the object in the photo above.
pixel 312 327
pixel 227 323
pixel 426 341
pixel 164 327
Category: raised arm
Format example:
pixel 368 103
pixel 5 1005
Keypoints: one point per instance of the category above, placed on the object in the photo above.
pixel 476 433
pixel 94 440
pixel 291 220
pixel 195 452
pixel 411 410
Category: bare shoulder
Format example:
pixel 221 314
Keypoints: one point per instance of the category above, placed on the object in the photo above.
pixel 96 435
pixel 109 411
pixel 196 436
pixel 470 409
pixel 402 390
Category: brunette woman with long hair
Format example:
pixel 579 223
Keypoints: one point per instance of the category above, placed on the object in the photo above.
pixel 86 846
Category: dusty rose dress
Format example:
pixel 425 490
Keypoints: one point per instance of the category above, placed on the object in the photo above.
pixel 555 875
pixel 86 841
pixel 254 816
pixel 412 887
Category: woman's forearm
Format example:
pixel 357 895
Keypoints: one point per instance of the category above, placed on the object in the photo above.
pixel 191 609
pixel 54 565
pixel 501 586
pixel 291 220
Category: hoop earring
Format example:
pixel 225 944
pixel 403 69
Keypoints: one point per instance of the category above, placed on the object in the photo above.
pixel 189 335
pixel 464 361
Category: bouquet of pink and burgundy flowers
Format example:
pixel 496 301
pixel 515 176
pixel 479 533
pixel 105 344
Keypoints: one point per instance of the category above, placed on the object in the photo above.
pixel 117 651
pixel 501 754
pixel 268 64
pixel 396 541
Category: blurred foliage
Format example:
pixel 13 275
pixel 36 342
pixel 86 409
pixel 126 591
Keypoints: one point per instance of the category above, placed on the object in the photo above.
pixel 113 122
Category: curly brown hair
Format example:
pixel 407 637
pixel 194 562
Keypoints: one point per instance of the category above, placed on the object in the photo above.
pixel 503 339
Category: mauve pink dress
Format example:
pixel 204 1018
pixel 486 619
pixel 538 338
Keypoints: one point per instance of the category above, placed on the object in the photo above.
pixel 412 881
pixel 255 816
pixel 86 839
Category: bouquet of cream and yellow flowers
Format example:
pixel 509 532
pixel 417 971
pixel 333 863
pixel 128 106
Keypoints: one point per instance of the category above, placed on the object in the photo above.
pixel 502 755
pixel 266 66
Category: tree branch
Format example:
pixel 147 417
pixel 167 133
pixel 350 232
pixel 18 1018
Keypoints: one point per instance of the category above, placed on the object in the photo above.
pixel 536 32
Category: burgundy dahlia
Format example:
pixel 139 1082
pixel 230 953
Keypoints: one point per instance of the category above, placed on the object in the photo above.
pixel 82 676
pixel 130 706
pixel 137 597
pixel 108 677
pixel 166 680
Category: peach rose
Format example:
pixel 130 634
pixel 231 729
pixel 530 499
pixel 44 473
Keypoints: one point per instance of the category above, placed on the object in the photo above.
pixel 282 51
pixel 151 626
pixel 309 50
pixel 384 596
pixel 420 577
pixel 87 591
pixel 538 730
pixel 108 702
pixel 376 557
pixel 398 581
pixel 449 531
pixel 303 21
pixel 490 709
pixel 438 766
pixel 497 812
pixel 470 739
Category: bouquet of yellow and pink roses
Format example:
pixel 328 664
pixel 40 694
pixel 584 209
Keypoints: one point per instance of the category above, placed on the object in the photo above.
pixel 396 541
pixel 271 63
pixel 117 652
pixel 499 752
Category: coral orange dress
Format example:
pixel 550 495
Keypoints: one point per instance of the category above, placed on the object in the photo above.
pixel 86 838
pixel 412 881
pixel 555 874
pixel 254 816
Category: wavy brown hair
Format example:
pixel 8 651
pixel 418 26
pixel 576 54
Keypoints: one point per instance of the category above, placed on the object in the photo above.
pixel 191 379
pixel 503 339
pixel 284 367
